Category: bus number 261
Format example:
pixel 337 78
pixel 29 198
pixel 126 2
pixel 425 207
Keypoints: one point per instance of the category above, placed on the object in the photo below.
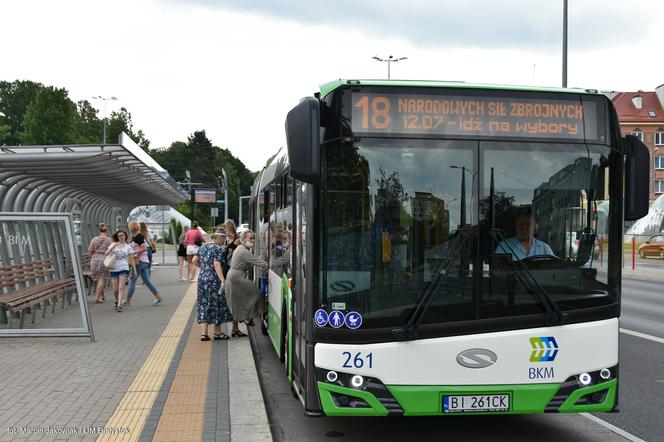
pixel 357 360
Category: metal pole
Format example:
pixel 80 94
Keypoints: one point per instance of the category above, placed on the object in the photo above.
pixel 463 197
pixel 104 136
pixel 633 253
pixel 239 217
pixel 191 191
pixel 564 43
pixel 388 68
pixel 163 235
pixel 225 194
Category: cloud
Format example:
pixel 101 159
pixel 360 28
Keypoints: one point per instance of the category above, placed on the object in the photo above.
pixel 517 24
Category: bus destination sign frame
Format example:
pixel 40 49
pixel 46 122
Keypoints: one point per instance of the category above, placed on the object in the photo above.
pixel 441 114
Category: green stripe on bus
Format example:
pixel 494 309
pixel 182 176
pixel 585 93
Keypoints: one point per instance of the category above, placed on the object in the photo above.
pixel 273 327
pixel 611 388
pixel 428 400
pixel 330 408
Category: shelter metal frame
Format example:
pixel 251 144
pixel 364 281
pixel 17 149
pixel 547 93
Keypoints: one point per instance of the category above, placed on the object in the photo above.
pixel 102 182
pixel 47 245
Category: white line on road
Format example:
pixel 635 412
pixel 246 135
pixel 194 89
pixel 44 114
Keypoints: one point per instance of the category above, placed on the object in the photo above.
pixel 642 335
pixel 605 424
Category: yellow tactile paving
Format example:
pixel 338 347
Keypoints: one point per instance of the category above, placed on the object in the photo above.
pixel 184 412
pixel 134 408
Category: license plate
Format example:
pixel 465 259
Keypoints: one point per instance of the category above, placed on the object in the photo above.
pixel 476 403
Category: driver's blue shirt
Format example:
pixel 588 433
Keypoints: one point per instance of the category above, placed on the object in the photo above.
pixel 514 247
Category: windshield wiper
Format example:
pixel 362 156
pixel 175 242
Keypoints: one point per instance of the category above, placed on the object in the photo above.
pixel 554 316
pixel 409 331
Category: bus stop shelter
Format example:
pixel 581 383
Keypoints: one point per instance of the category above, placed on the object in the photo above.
pixel 52 199
pixel 96 183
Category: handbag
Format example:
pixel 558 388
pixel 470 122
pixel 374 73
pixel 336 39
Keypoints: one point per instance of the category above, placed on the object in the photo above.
pixel 198 241
pixel 109 261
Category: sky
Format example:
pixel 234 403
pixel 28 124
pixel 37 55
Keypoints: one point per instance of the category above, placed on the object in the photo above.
pixel 236 67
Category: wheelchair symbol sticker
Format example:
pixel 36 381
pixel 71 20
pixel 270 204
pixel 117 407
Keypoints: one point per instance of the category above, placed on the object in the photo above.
pixel 320 318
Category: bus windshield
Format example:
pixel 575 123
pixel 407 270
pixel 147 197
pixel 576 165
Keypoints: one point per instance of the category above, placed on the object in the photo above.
pixel 408 220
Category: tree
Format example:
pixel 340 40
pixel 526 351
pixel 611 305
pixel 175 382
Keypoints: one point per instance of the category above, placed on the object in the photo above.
pixel 50 118
pixel 120 121
pixel 205 161
pixel 240 179
pixel 5 130
pixel 15 97
pixel 88 125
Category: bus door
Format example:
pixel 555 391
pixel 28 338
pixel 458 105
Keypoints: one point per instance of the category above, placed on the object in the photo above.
pixel 298 303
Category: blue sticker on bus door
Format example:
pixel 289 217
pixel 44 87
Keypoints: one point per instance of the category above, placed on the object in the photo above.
pixel 320 317
pixel 353 320
pixel 336 319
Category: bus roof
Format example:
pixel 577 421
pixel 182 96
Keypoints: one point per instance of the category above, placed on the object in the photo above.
pixel 327 88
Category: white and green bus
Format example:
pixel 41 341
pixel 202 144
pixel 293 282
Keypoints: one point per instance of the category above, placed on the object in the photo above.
pixel 438 248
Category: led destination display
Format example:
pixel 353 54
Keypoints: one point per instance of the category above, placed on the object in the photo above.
pixel 408 114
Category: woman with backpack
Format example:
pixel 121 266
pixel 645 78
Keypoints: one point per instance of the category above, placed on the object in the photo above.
pixel 193 239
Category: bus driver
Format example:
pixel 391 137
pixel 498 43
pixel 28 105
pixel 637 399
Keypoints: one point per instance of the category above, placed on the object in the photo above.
pixel 523 244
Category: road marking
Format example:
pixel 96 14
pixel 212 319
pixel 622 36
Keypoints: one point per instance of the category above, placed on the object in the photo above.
pixel 642 335
pixel 605 424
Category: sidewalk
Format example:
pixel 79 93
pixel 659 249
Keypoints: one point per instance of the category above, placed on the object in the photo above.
pixel 147 377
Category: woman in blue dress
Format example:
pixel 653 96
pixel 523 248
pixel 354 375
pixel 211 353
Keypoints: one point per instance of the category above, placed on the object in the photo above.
pixel 212 307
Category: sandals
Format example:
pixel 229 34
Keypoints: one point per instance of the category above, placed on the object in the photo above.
pixel 205 338
pixel 220 336
pixel 238 334
pixel 249 322
pixel 118 308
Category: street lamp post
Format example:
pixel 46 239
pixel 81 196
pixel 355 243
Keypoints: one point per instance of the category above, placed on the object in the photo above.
pixel 104 99
pixel 564 43
pixel 389 60
pixel 222 181
pixel 239 218
pixel 190 186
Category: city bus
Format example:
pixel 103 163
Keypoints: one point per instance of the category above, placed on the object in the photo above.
pixel 418 239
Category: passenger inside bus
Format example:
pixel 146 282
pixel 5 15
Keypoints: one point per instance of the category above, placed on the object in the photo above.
pixel 523 244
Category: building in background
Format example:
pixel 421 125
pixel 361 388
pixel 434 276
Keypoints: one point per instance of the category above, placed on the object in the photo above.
pixel 642 113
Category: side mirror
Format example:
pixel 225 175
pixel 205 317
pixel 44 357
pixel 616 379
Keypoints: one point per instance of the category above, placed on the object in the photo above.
pixel 637 178
pixel 303 140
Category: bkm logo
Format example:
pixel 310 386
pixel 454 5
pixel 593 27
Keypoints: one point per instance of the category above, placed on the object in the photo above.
pixel 545 349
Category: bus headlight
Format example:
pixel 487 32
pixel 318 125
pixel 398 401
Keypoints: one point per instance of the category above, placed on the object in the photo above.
pixel 605 374
pixel 332 376
pixel 357 381
pixel 585 379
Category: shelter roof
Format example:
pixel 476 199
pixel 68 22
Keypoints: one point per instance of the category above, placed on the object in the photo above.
pixel 112 171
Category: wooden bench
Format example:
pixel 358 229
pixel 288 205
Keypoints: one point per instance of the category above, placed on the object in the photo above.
pixel 27 285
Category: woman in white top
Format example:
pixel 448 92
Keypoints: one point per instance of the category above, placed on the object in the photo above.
pixel 124 257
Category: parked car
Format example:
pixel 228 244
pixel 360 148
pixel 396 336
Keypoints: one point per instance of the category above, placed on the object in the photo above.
pixel 653 247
